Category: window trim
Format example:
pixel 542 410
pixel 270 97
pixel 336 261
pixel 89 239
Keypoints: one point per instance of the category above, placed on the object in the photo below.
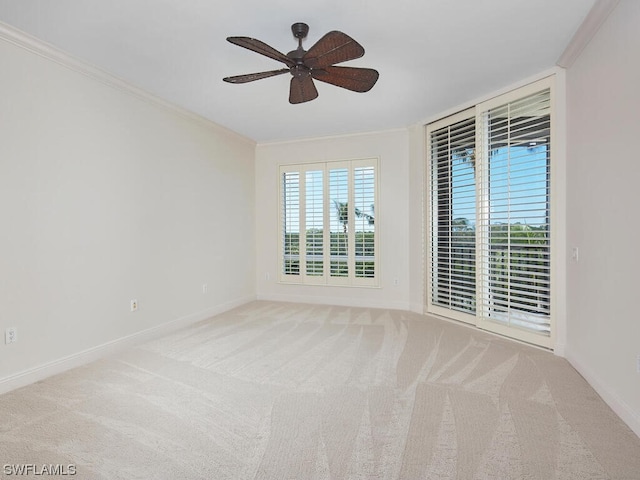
pixel 326 279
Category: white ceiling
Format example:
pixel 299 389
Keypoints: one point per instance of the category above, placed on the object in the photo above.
pixel 431 54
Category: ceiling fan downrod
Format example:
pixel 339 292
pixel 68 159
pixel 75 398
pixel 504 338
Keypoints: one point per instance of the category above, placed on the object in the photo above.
pixel 300 31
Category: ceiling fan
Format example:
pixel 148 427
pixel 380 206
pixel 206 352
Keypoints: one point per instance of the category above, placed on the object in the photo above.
pixel 316 63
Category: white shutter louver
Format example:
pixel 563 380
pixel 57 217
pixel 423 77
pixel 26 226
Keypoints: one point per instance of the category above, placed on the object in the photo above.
pixel 490 214
pixel 364 211
pixel 314 221
pixel 339 221
pixel 453 216
pixel 327 223
pixel 291 223
pixel 515 214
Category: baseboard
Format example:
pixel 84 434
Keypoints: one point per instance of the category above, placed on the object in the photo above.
pixel 84 357
pixel 618 405
pixel 560 349
pixel 342 302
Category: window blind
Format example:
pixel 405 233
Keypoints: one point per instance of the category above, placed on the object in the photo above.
pixel 364 219
pixel 515 191
pixel 290 223
pixel 328 224
pixel 314 222
pixel 453 216
pixel 339 221
pixel 490 214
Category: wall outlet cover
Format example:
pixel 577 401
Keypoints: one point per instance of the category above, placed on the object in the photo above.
pixel 11 335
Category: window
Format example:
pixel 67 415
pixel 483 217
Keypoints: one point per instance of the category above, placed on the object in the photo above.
pixel 490 215
pixel 453 199
pixel 328 223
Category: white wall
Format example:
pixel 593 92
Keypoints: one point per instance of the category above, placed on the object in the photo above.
pixel 603 328
pixel 417 219
pixel 106 196
pixel 392 217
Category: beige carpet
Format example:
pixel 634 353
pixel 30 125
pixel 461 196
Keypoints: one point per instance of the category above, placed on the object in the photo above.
pixel 289 391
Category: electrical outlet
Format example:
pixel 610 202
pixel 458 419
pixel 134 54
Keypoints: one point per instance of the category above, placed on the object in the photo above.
pixel 11 335
pixel 205 288
pixel 575 254
pixel 134 305
pixel 396 282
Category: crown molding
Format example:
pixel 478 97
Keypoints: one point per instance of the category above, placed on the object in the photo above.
pixel 589 27
pixel 375 133
pixel 45 50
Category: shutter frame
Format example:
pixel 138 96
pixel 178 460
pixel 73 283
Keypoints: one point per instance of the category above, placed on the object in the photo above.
pixel 314 202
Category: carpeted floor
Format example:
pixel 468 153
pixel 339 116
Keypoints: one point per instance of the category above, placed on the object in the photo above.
pixel 289 391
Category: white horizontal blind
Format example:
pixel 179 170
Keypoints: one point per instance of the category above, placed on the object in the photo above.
pixel 364 219
pixel 515 247
pixel 290 223
pixel 328 224
pixel 490 214
pixel 339 222
pixel 314 223
pixel 453 215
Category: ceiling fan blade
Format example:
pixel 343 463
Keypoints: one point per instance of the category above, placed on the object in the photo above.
pixel 302 89
pixel 334 47
pixel 261 48
pixel 351 78
pixel 250 77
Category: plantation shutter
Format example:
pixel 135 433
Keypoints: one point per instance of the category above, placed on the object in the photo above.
pixel 290 222
pixel 453 215
pixel 339 221
pixel 515 248
pixel 314 222
pixel 490 215
pixel 327 222
pixel 363 212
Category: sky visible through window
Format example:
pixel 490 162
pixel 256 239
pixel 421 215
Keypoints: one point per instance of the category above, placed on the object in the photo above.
pixel 518 187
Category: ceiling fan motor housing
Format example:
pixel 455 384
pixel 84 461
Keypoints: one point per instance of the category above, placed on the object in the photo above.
pixel 300 30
